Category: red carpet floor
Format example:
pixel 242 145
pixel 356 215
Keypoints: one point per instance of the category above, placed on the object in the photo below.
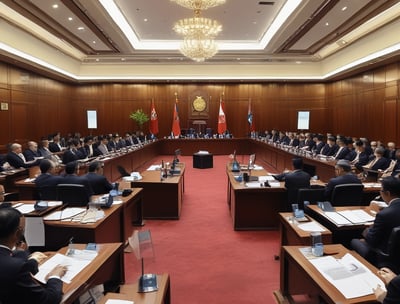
pixel 207 260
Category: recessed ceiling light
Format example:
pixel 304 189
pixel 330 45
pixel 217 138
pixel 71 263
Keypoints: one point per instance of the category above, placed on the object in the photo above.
pixel 97 59
pixel 122 59
pixel 298 62
pixel 70 19
pixel 81 28
pixel 54 6
pixel 94 42
pixel 145 19
pixel 326 23
pixel 344 8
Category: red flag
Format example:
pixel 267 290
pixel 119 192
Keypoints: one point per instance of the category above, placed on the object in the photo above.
pixel 176 128
pixel 250 118
pixel 221 117
pixel 153 119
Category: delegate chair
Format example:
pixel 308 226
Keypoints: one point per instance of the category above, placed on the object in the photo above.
pixel 73 194
pixel 312 195
pixel 391 258
pixel 11 196
pixel 122 171
pixel 347 195
pixel 48 193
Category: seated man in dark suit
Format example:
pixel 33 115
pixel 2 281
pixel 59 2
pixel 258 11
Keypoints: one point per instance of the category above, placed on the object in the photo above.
pixel 73 153
pixel 377 235
pixel 392 293
pixel 17 284
pixel 32 153
pixel 98 182
pixel 331 147
pixel 361 158
pixel 294 180
pixel 343 150
pixel 47 178
pixel 72 178
pixel 16 159
pixel 343 176
pixel 378 164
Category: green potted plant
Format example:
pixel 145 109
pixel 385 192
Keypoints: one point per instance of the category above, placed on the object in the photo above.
pixel 140 117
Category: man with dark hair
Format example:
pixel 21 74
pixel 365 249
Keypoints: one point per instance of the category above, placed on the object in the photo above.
pixel 377 235
pixel 47 178
pixel 343 176
pixel 72 178
pixel 331 147
pixel 17 284
pixel 97 181
pixel 294 180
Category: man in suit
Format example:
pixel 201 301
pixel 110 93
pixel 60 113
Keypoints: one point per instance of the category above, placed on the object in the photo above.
pixel 103 145
pixel 379 163
pixel 319 143
pixel 47 178
pixel 361 158
pixel 331 147
pixel 392 293
pixel 73 153
pixel 17 159
pixel 294 180
pixel 17 268
pixel 72 178
pixel 55 143
pixel 98 182
pixel 377 235
pixel 343 150
pixel 343 176
pixel 32 153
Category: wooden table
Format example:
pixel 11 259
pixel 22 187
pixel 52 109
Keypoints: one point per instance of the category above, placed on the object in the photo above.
pixel 292 235
pixel 341 234
pixel 162 198
pixel 116 226
pixel 107 266
pixel 300 277
pixel 130 293
pixel 254 208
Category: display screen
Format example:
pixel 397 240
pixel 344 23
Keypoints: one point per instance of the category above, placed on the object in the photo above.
pixel 303 120
pixel 92 119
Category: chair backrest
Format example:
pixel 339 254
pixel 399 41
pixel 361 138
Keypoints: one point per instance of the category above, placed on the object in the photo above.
pixel 391 257
pixel 347 195
pixel 48 193
pixel 122 171
pixel 11 196
pixel 312 195
pixel 73 194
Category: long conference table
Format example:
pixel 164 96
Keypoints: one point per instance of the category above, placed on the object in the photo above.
pixel 261 211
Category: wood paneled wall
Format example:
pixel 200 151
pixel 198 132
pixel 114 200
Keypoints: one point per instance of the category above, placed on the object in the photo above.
pixel 362 105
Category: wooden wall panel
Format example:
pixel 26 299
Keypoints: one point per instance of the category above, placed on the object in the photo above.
pixel 361 105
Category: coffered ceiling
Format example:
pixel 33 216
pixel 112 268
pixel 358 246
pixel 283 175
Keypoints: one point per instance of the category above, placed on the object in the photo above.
pixel 133 40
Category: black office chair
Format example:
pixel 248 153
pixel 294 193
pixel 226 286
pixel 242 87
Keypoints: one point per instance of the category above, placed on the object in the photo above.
pixel 347 195
pixel 122 171
pixel 312 195
pixel 11 196
pixel 48 193
pixel 73 194
pixel 390 258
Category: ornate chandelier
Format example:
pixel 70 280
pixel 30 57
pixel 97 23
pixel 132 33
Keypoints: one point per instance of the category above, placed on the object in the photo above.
pixel 199 4
pixel 198 32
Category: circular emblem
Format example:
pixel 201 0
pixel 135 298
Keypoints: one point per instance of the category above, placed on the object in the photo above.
pixel 199 104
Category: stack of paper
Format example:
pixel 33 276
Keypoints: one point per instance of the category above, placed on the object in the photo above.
pixel 348 275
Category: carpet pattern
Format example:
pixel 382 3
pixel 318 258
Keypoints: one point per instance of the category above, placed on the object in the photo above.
pixel 207 260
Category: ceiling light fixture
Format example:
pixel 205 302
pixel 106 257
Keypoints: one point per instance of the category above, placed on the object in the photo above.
pixel 199 4
pixel 198 32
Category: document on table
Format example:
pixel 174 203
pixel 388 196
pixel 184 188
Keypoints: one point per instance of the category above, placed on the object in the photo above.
pixel 348 275
pixel 337 218
pixel 75 263
pixel 265 178
pixel 65 214
pixel 26 208
pixel 357 216
pixel 311 226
